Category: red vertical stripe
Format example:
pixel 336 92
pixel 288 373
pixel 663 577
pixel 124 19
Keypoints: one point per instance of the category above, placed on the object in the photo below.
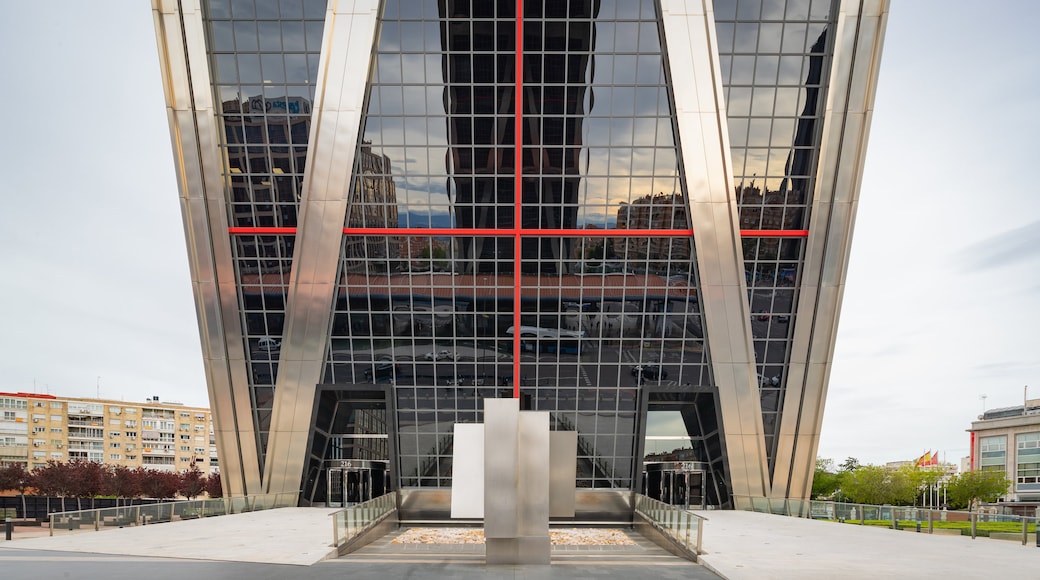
pixel 518 169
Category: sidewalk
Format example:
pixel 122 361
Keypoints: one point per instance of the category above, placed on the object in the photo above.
pixel 300 536
pixel 738 546
pixel 745 546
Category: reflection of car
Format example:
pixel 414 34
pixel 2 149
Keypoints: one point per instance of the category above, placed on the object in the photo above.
pixel 442 355
pixel 652 372
pixel 267 343
pixel 783 318
pixel 773 381
pixel 537 339
pixel 384 368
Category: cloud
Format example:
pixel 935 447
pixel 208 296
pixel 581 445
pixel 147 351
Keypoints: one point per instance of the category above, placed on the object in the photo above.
pixel 1021 244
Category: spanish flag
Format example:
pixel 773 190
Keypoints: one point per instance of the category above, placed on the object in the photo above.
pixel 925 459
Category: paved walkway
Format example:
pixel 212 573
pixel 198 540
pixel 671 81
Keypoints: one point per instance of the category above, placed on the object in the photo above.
pixel 300 536
pixel 738 546
pixel 745 545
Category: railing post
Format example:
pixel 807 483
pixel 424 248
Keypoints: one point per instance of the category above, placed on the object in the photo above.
pixel 700 534
pixel 1025 531
pixel 688 518
pixel 974 518
pixel 930 529
pixel 97 520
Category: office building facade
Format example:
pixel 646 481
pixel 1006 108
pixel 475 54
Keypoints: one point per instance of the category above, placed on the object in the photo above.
pixel 1007 440
pixel 634 215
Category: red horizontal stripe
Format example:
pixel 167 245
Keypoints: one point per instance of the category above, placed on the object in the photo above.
pixel 577 233
pixel 262 231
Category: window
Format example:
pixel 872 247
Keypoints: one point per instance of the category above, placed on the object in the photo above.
pixel 131 423
pixel 993 453
pixel 186 448
pixel 1028 461
pixel 131 457
pixel 55 405
pixel 131 434
pixel 115 445
pixel 9 416
pixel 185 437
pixel 115 434
pixel 131 411
pixel 115 422
pixel 185 415
pixel 114 456
pixel 185 426
pixel 115 410
pixel 39 429
pixel 56 418
pixel 55 429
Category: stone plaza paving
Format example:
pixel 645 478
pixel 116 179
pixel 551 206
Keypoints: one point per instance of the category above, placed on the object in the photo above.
pixel 295 542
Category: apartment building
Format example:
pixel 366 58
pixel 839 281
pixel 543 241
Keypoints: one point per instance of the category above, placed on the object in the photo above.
pixel 36 428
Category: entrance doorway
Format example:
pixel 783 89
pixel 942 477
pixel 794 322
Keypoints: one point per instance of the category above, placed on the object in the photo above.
pixel 679 483
pixel 356 481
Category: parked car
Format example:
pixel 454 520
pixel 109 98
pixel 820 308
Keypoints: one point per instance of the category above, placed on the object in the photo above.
pixel 442 355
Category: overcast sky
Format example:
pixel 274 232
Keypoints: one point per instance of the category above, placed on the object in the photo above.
pixel 941 302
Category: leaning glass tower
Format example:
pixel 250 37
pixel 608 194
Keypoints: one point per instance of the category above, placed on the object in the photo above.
pixel 635 215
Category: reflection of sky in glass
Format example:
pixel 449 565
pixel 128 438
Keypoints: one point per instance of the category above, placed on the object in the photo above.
pixel 625 145
pixel 665 424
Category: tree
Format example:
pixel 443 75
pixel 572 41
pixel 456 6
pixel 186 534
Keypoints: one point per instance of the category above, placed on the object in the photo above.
pixel 87 479
pixel 160 484
pixel 213 486
pixel 15 476
pixel 825 480
pixel 972 487
pixel 850 464
pixel 877 485
pixel 125 483
pixel 192 482
pixel 53 479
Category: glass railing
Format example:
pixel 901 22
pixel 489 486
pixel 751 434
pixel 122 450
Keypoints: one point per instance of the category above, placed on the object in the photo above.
pixel 681 525
pixel 94 520
pixel 985 522
pixel 351 521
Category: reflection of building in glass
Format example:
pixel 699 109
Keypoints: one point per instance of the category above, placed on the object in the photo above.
pixel 373 204
pixel 480 101
pixel 368 295
pixel 653 212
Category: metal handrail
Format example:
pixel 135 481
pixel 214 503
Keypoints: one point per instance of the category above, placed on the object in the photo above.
pixel 923 519
pixel 352 521
pixel 139 515
pixel 684 526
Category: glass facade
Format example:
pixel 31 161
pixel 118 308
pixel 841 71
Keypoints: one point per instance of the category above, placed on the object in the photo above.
pixel 775 57
pixel 263 57
pixel 601 317
pixel 429 203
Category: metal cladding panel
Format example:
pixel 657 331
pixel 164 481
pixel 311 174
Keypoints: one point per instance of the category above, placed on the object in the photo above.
pixel 467 471
pixel 533 480
pixel 346 50
pixel 563 460
pixel 181 44
pixel 501 469
pixel 700 113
